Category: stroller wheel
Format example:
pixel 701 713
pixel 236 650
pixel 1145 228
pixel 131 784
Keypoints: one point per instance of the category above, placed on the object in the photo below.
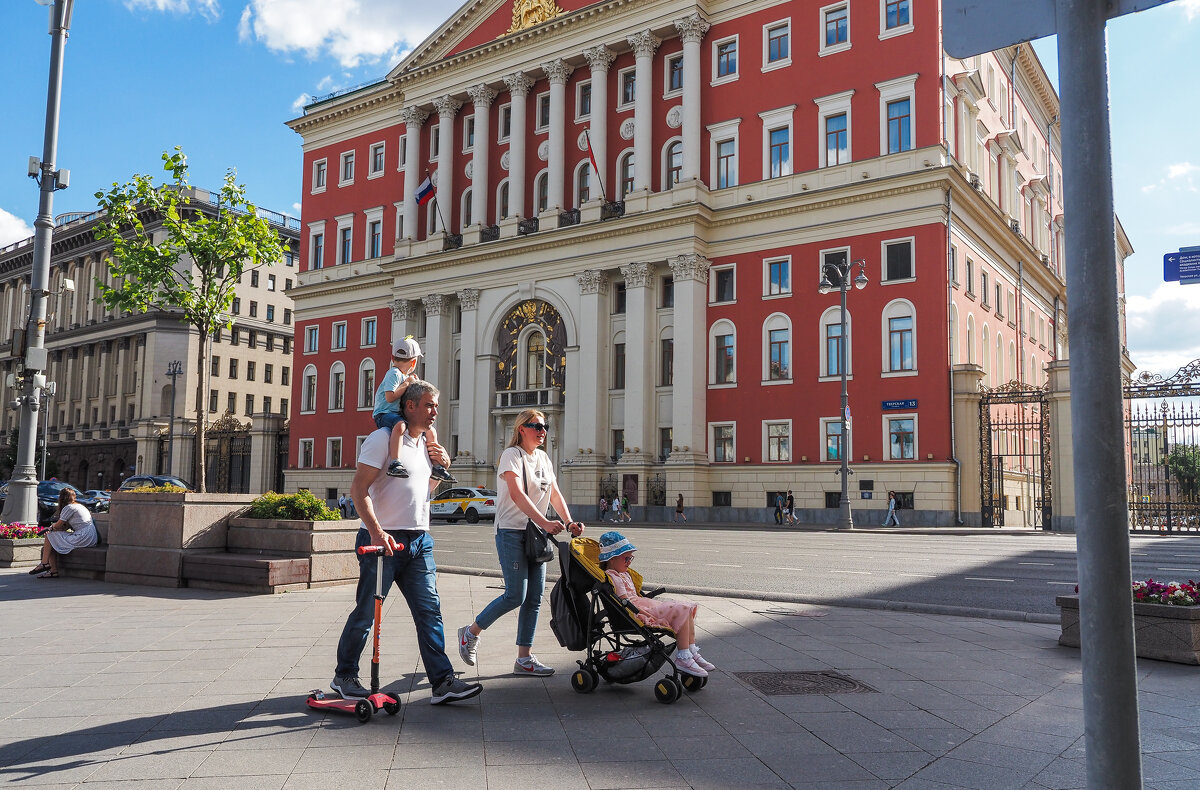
pixel 583 681
pixel 693 682
pixel 666 690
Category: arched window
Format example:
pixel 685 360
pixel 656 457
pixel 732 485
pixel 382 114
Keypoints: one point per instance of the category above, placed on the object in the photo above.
pixel 899 337
pixel 672 163
pixel 777 348
pixel 467 208
pixel 831 344
pixel 337 386
pixel 308 395
pixel 542 190
pixel 971 339
pixel 535 361
pixel 985 357
pixel 625 173
pixel 583 183
pixel 366 384
pixel 502 201
pixel 722 354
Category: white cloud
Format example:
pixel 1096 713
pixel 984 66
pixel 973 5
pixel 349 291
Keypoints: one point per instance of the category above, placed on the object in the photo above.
pixel 209 9
pixel 13 228
pixel 1181 176
pixel 1191 8
pixel 1182 169
pixel 353 32
pixel 296 208
pixel 1164 328
pixel 301 101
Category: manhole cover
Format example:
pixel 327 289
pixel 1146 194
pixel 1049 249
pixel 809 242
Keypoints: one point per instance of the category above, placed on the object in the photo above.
pixel 777 683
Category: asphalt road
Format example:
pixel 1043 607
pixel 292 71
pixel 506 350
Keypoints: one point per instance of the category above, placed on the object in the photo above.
pixel 1020 572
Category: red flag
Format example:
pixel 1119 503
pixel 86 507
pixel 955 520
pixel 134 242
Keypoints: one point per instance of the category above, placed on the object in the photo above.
pixel 592 156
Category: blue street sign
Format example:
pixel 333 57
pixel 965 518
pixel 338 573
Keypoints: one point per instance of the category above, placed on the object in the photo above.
pixel 899 405
pixel 1182 267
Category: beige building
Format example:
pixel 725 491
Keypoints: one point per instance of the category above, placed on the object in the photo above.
pixel 110 414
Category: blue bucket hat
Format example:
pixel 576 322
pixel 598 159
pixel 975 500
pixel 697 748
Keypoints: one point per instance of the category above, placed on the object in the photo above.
pixel 614 544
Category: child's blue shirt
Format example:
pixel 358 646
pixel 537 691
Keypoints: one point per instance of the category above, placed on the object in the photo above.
pixel 390 380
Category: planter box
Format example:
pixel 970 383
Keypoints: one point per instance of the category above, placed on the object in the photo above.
pixel 328 545
pixel 21 552
pixel 1167 633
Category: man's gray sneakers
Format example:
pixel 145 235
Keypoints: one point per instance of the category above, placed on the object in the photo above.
pixel 349 687
pixel 467 643
pixel 453 689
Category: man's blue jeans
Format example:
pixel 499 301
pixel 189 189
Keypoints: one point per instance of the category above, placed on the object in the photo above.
pixel 414 572
pixel 524 584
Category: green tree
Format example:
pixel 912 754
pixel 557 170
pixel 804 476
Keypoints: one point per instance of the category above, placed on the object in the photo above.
pixel 191 269
pixel 1184 463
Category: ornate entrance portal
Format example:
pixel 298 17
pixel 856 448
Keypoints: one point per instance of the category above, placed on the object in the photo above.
pixel 531 371
pixel 1015 471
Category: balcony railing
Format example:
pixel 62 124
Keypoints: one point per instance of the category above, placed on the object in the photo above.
pixel 521 399
pixel 452 241
pixel 527 226
pixel 568 218
pixel 612 209
pixel 490 233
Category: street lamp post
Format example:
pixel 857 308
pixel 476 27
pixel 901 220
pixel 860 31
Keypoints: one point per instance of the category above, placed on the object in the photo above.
pixel 21 503
pixel 841 270
pixel 174 370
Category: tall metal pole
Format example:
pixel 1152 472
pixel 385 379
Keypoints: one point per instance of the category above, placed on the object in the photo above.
pixel 1110 704
pixel 47 392
pixel 21 504
pixel 174 370
pixel 845 519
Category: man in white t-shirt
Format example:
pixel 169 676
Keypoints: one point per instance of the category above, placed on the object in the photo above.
pixel 395 515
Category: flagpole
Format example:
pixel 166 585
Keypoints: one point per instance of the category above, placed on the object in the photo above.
pixel 595 167
pixel 437 204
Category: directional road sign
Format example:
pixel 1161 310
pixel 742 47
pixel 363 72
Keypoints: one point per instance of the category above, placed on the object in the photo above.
pixel 1182 267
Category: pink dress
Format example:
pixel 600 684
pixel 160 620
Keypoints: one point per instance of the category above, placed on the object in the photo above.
pixel 653 611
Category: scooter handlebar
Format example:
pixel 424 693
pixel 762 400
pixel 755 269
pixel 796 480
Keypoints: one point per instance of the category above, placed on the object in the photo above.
pixel 365 550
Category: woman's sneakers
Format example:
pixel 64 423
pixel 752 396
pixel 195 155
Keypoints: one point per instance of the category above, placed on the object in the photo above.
pixel 707 666
pixel 529 665
pixel 467 643
pixel 684 662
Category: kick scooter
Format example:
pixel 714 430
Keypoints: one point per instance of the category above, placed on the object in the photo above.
pixel 365 708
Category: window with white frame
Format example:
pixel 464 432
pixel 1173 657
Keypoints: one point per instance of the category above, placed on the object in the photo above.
pixel 338 342
pixel 834 442
pixel 403 147
pixel 333 452
pixel 777 347
pixel 901 436
pixel 366 384
pixel 723 148
pixel 468 134
pixel 504 128
pixel 502 209
pixel 625 172
pixel 316 245
pixel 777 141
pixel 777 44
pixel 722 443
pixel 899 337
pixel 834 137
pixel 777 276
pixel 673 76
pixel 378 157
pixel 465 207
pixel 542 103
pixel 722 284
pixel 535 360
pixel 834 345
pixel 583 100
pixel 897 104
pixel 337 387
pixel 311 337
pixel 306 454
pixel 672 163
pixel 308 395
pixel 725 60
pixel 722 344
pixel 346 171
pixel 541 191
pixel 435 141
pixel 373 243
pixel 583 183
pixel 835 28
pixel 320 175
pixel 895 18
pixel 345 238
pixel 898 261
pixel 626 88
pixel 777 440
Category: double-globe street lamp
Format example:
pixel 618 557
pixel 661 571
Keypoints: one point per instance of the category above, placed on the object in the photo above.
pixel 836 274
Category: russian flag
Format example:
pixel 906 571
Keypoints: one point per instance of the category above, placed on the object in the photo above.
pixel 425 191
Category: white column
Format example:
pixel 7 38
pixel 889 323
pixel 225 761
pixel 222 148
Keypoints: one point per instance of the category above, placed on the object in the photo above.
pixel 557 71
pixel 447 108
pixel 414 118
pixel 691 29
pixel 437 340
pixel 518 84
pixel 599 59
pixel 688 394
pixel 588 405
pixel 644 45
pixel 482 96
pixel 639 363
pixel 469 441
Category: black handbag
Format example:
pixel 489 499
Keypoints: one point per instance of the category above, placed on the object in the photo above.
pixel 539 548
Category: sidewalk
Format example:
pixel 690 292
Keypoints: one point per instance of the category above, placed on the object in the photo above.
pixel 111 686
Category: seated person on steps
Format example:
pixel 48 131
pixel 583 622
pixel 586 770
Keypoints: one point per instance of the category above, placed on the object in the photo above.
pixel 387 406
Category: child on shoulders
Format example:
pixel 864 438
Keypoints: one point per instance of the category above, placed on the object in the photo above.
pixel 616 555
pixel 387 413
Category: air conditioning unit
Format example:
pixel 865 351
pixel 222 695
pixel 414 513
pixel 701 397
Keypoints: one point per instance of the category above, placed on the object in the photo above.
pixel 1015 224
pixel 976 182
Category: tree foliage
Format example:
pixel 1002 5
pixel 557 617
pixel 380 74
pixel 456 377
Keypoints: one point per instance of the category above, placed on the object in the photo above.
pixel 1184 464
pixel 169 254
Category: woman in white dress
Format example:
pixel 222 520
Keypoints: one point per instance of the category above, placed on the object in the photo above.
pixel 72 529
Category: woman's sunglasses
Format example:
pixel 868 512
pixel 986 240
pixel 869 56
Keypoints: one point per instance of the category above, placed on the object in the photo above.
pixel 537 426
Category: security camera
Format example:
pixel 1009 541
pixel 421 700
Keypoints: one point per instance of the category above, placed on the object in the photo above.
pixel 68 285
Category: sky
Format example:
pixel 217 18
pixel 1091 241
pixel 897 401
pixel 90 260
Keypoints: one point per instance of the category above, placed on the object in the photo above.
pixel 220 78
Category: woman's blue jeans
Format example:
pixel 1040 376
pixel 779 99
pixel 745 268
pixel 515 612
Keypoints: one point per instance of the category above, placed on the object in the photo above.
pixel 524 584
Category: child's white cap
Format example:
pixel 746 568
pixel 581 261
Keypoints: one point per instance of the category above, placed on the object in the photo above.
pixel 406 349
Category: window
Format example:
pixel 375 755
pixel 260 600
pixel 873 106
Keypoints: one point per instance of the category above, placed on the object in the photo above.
pixel 377 158
pixel 779 441
pixel 347 176
pixel 468 133
pixel 367 337
pixel 266 404
pixel 667 364
pixel 900 343
pixel 583 99
pixel 234 335
pixel 898 260
pixel 403 158
pixel 674 74
pixel 366 384
pixel 723 370
pixel 999 300
pixel 583 183
pixel 212 401
pixel 834 444
pixel 777 49
pixel 777 273
pixel 834 345
pixel 339 336
pixel 308 395
pixel 723 444
pixel 347 237
pixel 628 81
pixel 268 373
pixel 618 366
pixel 543 112
pixel 668 292
pixel 466 208
pixel 535 361
pixel 722 284
pixel 233 368
pixel 620 295
pixel 236 307
pixel 320 169
pixel 287 319
pixel 896 14
pixel 250 371
pixel 310 339
pixel 836 140
pixel 337 387
pixel 899 127
pixel 318 250
pixel 626 173
pixel 618 441
pixel 253 309
pixel 674 163
pixel 249 405
pixel 781 158
pixel 283 375
pixel 502 201
pixel 375 239
pixel 283 406
pixel 983 288
pixel 215 368
pixel 333 452
pixel 270 314
pixel 231 402
pixel 836 23
pixel 505 124
pixel 306 454
pixel 834 144
pixel 435 141
pixel 542 189
pixel 726 163
pixel 270 282
pixel 902 437
pixel 664 444
pixel 779 354
pixel 725 60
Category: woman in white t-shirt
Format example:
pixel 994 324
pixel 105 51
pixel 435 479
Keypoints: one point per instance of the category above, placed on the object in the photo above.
pixel 526 485
pixel 72 529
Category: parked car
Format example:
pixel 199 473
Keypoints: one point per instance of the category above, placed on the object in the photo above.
pixel 469 503
pixel 47 496
pixel 152 481
pixel 95 500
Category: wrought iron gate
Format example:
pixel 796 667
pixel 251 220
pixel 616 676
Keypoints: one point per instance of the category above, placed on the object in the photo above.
pixel 1014 450
pixel 1162 458
pixel 227 456
pixel 656 491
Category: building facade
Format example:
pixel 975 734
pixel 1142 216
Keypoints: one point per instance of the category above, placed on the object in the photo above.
pixel 661 302
pixel 110 415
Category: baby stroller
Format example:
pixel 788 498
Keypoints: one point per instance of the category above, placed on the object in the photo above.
pixel 588 615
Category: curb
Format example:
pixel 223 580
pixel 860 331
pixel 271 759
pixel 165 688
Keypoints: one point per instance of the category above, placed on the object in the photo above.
pixel 854 603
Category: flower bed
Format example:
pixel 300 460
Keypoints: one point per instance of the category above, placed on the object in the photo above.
pixel 20 544
pixel 21 531
pixel 1166 620
pixel 1169 594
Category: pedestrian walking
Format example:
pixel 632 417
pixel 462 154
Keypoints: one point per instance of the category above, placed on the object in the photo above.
pixel 603 507
pixel 625 509
pixel 616 509
pixel 679 514
pixel 789 508
pixel 342 505
pixel 892 519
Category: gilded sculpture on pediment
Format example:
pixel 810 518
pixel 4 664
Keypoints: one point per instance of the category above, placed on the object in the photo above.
pixel 527 13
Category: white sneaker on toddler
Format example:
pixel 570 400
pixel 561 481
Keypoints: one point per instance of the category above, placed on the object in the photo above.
pixel 685 663
pixel 708 666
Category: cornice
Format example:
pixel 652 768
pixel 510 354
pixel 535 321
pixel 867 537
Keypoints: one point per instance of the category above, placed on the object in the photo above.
pixel 355 103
